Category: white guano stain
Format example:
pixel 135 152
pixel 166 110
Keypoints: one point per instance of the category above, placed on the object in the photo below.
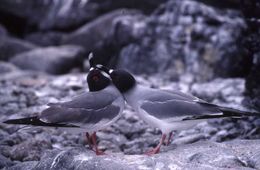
pixel 82 157
pixel 56 159
pixel 159 166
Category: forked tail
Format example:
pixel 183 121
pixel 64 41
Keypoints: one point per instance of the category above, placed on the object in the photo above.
pixel 35 121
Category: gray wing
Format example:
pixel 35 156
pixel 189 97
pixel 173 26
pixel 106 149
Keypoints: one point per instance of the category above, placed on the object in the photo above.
pixel 88 100
pixel 165 95
pixel 186 96
pixel 79 116
pixel 87 108
pixel 176 110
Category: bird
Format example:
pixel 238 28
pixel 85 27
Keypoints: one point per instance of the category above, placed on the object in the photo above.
pixel 90 111
pixel 167 110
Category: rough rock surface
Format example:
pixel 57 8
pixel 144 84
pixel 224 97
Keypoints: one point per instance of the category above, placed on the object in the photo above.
pixel 48 14
pixel 252 43
pixel 45 38
pixel 53 60
pixel 103 42
pixel 10 46
pixel 3 31
pixel 253 82
pixel 25 94
pixel 187 36
pixel 201 155
pixel 7 67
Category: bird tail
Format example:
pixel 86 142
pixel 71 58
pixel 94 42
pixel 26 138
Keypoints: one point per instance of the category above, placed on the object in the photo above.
pixel 229 112
pixel 225 112
pixel 35 121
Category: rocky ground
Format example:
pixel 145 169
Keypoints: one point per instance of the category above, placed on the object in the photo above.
pixel 205 48
pixel 26 94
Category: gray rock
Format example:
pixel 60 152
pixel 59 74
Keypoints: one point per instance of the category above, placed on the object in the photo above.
pixel 51 14
pixel 10 46
pixel 188 37
pixel 93 34
pixel 147 6
pixel 45 38
pixel 252 83
pixel 200 155
pixel 255 160
pixel 102 36
pixel 29 165
pixel 233 4
pixel 3 31
pixel 7 67
pixel 5 162
pixel 29 150
pixel 26 93
pixel 67 15
pixel 220 90
pixel 53 60
pixel 252 43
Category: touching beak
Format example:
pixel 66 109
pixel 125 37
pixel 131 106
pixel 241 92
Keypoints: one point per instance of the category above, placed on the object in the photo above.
pixel 103 68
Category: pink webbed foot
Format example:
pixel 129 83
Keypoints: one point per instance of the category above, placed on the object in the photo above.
pixel 157 148
pixel 169 139
pixel 89 140
pixel 95 146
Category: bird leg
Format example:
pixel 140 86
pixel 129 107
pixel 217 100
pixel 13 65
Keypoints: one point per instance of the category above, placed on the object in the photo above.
pixel 94 140
pixel 169 139
pixel 157 148
pixel 89 140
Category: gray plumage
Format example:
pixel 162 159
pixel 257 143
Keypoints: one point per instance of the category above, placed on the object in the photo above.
pixel 89 110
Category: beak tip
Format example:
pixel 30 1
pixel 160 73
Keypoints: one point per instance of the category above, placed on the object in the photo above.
pixel 103 68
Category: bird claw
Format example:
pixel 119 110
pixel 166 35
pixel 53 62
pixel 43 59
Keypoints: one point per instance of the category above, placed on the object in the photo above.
pixel 157 148
pixel 152 152
pixel 167 143
pixel 169 139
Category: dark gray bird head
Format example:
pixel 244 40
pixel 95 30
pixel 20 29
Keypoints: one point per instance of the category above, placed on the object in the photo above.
pixel 122 79
pixel 97 80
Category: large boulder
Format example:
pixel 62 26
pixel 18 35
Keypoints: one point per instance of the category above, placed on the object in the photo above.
pixel 147 6
pixel 99 36
pixel 53 60
pixel 251 10
pixel 45 38
pixel 253 83
pixel 25 94
pixel 50 14
pixel 10 46
pixel 92 34
pixel 66 15
pixel 185 36
pixel 233 4
pixel 7 67
pixel 238 154
pixel 3 31
pixel 5 162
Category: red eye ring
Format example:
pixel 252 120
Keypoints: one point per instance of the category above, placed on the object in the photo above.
pixel 95 78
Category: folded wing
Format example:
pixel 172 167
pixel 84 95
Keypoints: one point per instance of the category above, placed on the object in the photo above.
pixel 177 110
pixel 79 116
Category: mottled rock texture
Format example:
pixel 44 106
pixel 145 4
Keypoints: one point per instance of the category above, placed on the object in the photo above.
pixel 53 60
pixel 188 36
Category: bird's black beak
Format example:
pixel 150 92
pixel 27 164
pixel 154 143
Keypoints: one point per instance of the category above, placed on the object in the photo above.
pixel 91 59
pixel 102 68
